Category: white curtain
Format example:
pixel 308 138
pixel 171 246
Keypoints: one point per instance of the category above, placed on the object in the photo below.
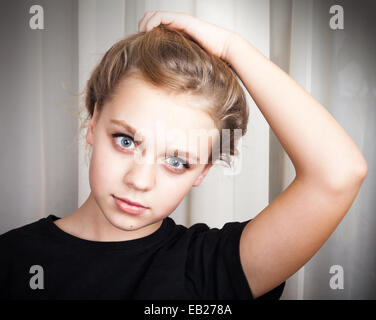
pixel 338 68
pixel 40 70
pixel 39 75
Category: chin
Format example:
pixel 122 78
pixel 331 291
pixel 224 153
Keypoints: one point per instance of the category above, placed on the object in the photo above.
pixel 125 222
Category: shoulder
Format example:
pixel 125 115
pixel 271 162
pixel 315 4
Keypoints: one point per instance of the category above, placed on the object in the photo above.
pixel 25 232
pixel 201 228
pixel 200 235
pixel 200 238
pixel 210 255
pixel 203 233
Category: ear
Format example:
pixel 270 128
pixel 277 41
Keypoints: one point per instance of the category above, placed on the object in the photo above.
pixel 202 175
pixel 90 130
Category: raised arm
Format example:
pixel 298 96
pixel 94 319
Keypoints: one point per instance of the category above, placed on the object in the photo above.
pixel 319 148
pixel 329 172
pixel 329 166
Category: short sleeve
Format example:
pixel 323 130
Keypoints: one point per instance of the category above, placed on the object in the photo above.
pixel 213 267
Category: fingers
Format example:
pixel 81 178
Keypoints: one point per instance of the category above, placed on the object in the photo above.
pixel 153 19
pixel 142 22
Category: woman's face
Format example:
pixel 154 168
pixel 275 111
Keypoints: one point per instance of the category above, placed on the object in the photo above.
pixel 147 171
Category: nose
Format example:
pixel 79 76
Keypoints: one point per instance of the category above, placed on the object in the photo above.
pixel 140 176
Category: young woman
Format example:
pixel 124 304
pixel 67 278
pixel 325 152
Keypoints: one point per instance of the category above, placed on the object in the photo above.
pixel 176 73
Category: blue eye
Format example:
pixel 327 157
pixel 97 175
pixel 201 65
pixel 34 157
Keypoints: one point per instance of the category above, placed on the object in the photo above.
pixel 176 162
pixel 126 140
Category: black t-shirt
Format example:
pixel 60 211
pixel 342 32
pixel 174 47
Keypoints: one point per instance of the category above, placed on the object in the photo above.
pixel 41 261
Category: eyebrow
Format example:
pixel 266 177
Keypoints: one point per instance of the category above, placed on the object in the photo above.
pixel 126 127
pixel 133 131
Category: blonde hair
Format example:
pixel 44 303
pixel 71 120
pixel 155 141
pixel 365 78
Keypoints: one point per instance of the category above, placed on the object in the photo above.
pixel 172 60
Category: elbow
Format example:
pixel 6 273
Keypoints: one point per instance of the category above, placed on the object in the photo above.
pixel 360 170
pixel 363 170
pixel 351 178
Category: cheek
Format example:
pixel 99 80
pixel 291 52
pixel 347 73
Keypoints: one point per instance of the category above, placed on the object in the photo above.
pixel 171 191
pixel 105 169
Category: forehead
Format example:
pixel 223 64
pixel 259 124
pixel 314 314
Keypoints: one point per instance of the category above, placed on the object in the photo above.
pixel 144 106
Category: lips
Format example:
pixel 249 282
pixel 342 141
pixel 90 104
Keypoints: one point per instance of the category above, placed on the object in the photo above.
pixel 128 206
pixel 135 204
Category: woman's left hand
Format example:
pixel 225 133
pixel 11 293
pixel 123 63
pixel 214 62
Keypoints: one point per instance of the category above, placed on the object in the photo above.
pixel 211 37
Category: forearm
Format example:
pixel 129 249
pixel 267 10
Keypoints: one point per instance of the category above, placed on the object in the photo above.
pixel 317 145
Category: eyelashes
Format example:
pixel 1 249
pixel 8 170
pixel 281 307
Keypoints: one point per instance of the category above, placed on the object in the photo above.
pixel 117 135
pixel 128 140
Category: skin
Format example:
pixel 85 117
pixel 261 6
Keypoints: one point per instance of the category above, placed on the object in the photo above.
pixel 115 170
